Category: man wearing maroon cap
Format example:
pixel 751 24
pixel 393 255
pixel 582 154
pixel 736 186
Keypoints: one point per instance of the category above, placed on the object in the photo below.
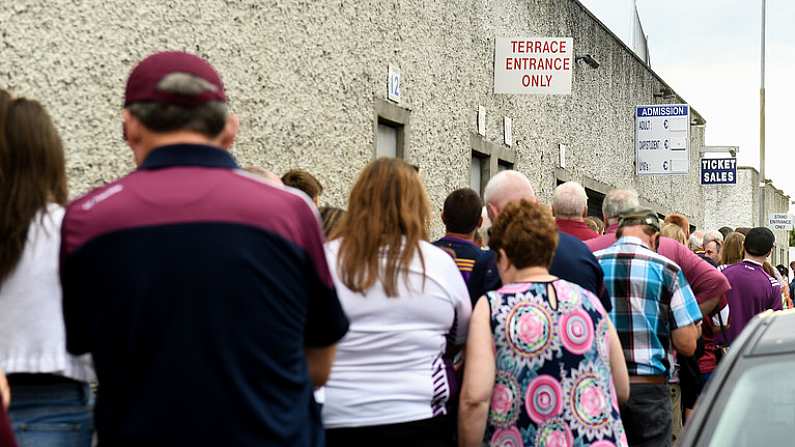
pixel 201 291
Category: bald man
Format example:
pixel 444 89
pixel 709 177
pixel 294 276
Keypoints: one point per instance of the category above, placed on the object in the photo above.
pixel 573 261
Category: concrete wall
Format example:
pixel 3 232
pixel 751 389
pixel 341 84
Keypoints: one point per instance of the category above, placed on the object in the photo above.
pixel 731 205
pixel 305 78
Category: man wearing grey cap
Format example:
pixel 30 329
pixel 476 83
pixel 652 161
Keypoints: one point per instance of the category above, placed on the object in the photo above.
pixel 653 308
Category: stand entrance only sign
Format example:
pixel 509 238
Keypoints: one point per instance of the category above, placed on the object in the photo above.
pixel 662 139
pixel 533 65
pixel 779 221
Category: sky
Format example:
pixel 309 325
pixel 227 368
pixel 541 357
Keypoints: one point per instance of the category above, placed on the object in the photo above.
pixel 709 52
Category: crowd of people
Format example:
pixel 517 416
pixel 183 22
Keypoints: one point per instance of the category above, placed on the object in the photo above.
pixel 195 302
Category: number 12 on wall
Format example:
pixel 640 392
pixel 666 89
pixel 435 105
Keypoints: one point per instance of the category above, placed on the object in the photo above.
pixel 393 84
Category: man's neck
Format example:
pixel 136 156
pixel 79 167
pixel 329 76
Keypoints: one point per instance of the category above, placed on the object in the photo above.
pixel 757 259
pixel 465 236
pixel 571 218
pixel 155 140
pixel 638 233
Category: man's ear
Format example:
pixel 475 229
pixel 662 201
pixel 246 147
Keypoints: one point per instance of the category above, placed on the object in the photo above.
pixel 492 211
pixel 480 223
pixel 131 128
pixel 227 137
pixel 502 260
pixel 133 134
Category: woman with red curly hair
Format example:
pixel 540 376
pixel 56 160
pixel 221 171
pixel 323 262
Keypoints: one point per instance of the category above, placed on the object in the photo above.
pixel 544 365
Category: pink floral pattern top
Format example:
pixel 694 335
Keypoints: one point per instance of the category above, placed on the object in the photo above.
pixel 553 386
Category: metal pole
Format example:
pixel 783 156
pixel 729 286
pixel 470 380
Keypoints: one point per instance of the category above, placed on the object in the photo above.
pixel 762 214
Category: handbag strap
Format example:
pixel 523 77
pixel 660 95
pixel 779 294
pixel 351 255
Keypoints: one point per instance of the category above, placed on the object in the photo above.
pixel 722 327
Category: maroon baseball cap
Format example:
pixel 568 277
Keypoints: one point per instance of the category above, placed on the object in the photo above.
pixel 145 83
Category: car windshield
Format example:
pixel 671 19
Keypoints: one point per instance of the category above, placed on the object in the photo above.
pixel 760 409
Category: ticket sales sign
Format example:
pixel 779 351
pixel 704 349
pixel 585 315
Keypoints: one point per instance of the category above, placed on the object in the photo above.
pixel 533 65
pixel 662 139
pixel 718 171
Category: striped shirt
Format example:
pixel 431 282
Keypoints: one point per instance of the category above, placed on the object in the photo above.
pixel 650 298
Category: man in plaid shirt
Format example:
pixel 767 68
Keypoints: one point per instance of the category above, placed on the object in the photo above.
pixel 653 308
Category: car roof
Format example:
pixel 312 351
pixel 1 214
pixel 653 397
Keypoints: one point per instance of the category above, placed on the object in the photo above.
pixel 777 335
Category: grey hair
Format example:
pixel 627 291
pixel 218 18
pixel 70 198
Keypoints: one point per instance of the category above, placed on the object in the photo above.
pixel 208 119
pixel 507 186
pixel 569 200
pixel 619 201
pixel 710 236
pixel 185 84
pixel 696 240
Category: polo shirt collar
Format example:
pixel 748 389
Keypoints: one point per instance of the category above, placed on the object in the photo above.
pixel 753 262
pixel 631 240
pixel 188 155
pixel 450 238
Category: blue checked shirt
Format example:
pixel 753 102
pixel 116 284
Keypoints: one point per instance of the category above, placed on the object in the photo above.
pixel 650 297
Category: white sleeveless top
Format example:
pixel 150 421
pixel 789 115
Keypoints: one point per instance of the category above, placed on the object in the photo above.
pixel 32 334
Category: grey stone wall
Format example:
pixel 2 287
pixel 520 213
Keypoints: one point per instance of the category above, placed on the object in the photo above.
pixel 304 76
pixel 731 205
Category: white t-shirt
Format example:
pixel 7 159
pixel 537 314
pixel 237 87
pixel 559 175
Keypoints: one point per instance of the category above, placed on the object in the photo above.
pixel 388 367
pixel 32 333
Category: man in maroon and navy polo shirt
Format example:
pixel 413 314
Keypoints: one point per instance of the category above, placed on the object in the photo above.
pixel 202 292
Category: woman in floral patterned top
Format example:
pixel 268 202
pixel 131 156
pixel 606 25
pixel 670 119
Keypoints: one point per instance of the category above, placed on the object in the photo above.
pixel 544 366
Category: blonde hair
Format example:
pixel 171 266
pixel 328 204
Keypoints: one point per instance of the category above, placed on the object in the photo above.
pixel 733 250
pixel 674 232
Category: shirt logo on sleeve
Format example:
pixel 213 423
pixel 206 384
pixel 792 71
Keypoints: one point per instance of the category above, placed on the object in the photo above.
pixel 101 197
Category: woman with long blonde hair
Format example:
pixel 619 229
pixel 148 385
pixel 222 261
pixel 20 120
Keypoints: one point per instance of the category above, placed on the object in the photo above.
pixel 733 251
pixel 407 304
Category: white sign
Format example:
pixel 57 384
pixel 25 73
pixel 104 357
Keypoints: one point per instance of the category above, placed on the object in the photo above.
pixel 533 65
pixel 482 121
pixel 393 84
pixel 508 130
pixel 662 139
pixel 781 222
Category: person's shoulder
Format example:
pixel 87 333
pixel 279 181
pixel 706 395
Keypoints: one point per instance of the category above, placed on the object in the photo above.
pixel 50 217
pixel 676 251
pixel 98 211
pixel 439 265
pixel 571 247
pixel 575 289
pixel 773 281
pixel 434 254
pixel 269 201
pixel 332 246
pixel 666 263
pixel 743 266
pixel 331 249
pixel 101 198
pixel 263 188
